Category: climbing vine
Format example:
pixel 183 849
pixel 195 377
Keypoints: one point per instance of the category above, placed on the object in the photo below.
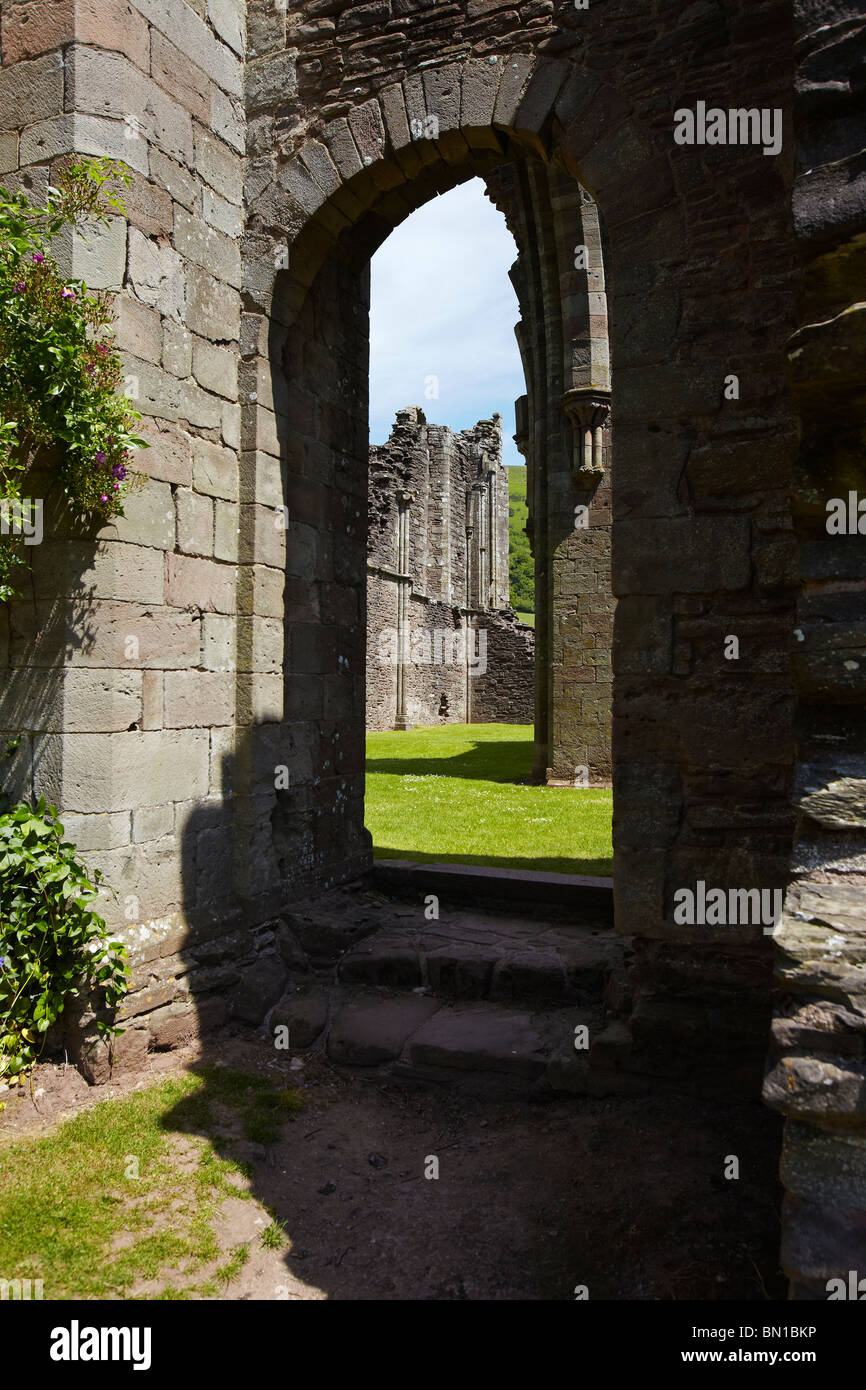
pixel 59 371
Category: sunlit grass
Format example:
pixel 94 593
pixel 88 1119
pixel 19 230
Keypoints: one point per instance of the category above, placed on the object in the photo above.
pixel 101 1204
pixel 457 793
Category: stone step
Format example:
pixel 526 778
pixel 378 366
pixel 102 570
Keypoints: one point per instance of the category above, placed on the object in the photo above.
pixel 479 1046
pixel 487 886
pixel 483 958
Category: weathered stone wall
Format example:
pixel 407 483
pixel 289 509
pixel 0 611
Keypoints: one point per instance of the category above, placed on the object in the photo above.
pixel 817 1065
pixel 504 692
pixel 701 283
pixel 248 671
pixel 432 661
pixel 563 433
pixel 120 672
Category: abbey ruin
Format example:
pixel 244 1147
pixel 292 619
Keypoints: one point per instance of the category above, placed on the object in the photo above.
pixel 188 687
pixel 443 643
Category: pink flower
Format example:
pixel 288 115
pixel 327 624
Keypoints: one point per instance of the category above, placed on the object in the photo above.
pixel 67 293
pixel 103 498
pixel 90 369
pixel 20 286
pixel 117 487
pixel 100 456
pixel 38 258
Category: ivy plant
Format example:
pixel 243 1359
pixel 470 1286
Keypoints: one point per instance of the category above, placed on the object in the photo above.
pixel 59 370
pixel 53 945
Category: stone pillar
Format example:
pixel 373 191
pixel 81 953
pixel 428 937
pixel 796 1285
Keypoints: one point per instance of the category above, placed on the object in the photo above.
pixel 817 1067
pixel 404 589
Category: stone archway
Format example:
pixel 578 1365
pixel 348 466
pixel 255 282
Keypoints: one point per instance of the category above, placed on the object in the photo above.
pixel 231 264
pixel 700 527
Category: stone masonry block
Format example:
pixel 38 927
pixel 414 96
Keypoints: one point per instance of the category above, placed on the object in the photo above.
pixel 94 253
pixel 701 553
pixel 219 166
pixel 116 772
pixel 215 470
pixel 198 699
pixel 270 81
pixel 138 328
pixel 99 702
pixel 216 368
pixel 181 79
pixel 31 91
pixel 152 823
pixel 260 591
pixel 110 634
pixel 81 134
pixel 195 523
pixel 152 690
pixel 148 518
pixel 192 36
pixel 226 541
pixel 179 183
pixel 213 309
pixel 176 349
pixel 114 570
pixel 8 151
pixel 222 215
pixel 169 457
pixel 227 119
pixel 218 642
pixel 516 71
pixel 106 84
pixel 99 831
pixel 479 88
pixel 156 273
pixel 262 479
pixel 211 250
pixel 202 584
pixel 260 644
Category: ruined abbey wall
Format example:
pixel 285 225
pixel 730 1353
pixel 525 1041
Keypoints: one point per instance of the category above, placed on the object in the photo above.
pixel 189 687
pixel 439 647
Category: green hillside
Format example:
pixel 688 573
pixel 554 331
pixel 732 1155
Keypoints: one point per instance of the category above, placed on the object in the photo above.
pixel 521 567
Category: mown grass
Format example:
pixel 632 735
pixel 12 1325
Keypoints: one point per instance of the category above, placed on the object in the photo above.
pixel 101 1204
pixel 457 793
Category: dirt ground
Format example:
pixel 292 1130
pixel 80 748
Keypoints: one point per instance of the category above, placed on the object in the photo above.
pixel 626 1197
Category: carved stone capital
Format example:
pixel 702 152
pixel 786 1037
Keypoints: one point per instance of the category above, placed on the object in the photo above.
pixel 588 408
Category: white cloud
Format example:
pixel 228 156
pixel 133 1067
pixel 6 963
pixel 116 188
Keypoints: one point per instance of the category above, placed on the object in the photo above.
pixel 443 305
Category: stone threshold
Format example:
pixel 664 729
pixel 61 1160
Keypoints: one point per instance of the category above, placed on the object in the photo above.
pixel 482 882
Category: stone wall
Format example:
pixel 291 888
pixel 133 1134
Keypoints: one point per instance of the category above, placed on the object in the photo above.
pixel 214 764
pixel 120 664
pixel 817 1064
pixel 563 432
pixel 504 693
pixel 438 579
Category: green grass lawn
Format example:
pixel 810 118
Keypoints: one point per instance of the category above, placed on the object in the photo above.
pixel 528 618
pixel 103 1203
pixel 456 793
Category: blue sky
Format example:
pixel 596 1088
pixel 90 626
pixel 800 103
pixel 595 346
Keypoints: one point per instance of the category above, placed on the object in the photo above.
pixel 443 305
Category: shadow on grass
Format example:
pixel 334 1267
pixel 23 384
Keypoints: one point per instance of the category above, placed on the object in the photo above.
pixel 589 868
pixel 490 761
